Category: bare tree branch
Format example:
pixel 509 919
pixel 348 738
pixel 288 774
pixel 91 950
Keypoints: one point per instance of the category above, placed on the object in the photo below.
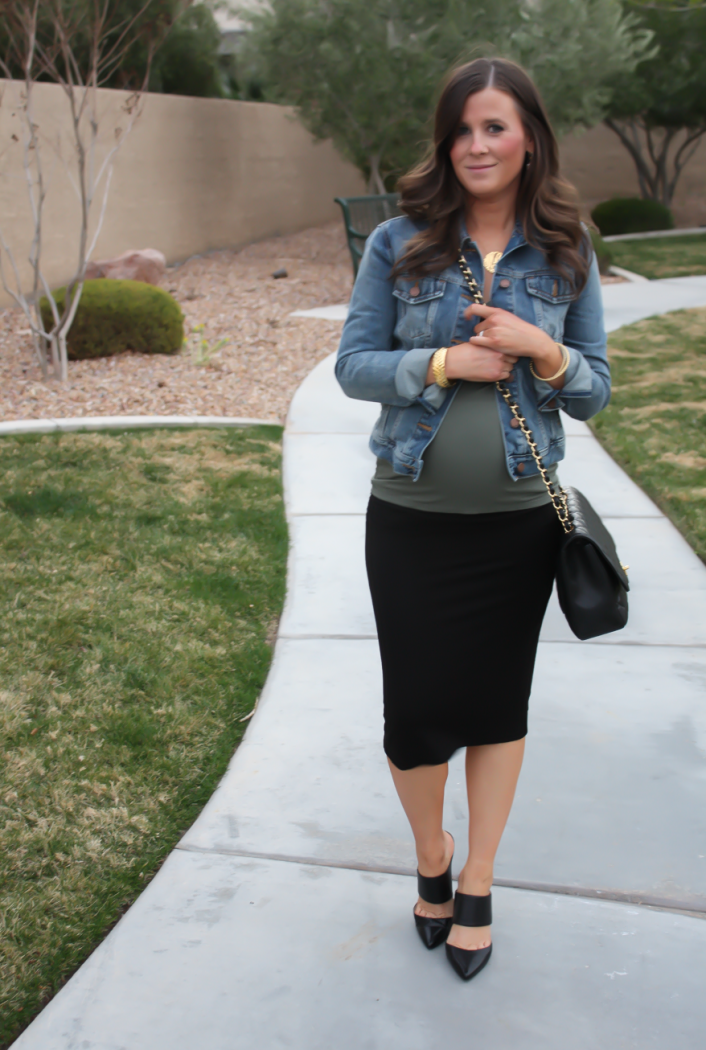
pixel 683 155
pixel 55 57
pixel 632 145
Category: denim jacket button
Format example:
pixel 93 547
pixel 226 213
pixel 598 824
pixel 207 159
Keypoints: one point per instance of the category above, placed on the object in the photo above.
pixel 515 423
pixel 414 291
pixel 520 468
pixel 504 283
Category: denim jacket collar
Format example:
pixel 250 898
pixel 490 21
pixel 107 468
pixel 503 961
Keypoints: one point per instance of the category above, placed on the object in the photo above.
pixel 517 238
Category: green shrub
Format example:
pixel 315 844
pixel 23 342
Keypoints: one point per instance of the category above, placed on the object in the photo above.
pixel 114 316
pixel 631 215
pixel 603 253
pixel 187 63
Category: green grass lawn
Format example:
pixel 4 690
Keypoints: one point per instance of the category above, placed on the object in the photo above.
pixel 662 256
pixel 143 575
pixel 655 424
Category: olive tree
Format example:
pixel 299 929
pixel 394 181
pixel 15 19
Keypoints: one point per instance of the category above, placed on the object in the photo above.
pixel 359 73
pixel 658 110
pixel 365 72
pixel 573 49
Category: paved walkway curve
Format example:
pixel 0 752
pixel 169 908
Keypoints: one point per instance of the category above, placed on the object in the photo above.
pixel 283 918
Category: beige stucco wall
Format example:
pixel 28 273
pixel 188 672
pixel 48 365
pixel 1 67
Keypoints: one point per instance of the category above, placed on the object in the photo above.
pixel 197 173
pixel 193 174
pixel 600 168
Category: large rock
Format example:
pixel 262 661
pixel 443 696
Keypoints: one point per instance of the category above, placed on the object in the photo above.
pixel 147 265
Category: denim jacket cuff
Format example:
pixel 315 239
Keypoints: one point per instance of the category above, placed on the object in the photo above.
pixel 433 397
pixel 411 377
pixel 578 382
pixel 411 374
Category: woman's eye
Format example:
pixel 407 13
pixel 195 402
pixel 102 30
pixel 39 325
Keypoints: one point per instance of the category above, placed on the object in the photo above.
pixel 463 130
pixel 495 128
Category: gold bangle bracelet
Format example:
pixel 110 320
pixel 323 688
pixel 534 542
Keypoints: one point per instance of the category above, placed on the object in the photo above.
pixel 565 359
pixel 438 367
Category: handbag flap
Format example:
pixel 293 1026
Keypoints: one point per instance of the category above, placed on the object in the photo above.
pixel 588 525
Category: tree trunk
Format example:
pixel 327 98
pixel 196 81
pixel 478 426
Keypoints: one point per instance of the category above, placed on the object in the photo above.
pixel 375 185
pixel 40 349
pixel 55 356
pixel 627 132
pixel 657 172
pixel 63 357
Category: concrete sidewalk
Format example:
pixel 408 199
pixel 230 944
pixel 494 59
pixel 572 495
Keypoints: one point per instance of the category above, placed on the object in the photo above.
pixel 283 919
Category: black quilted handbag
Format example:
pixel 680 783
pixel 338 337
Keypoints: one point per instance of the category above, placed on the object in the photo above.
pixel 591 581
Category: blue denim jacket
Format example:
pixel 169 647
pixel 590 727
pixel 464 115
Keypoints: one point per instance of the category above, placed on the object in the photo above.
pixel 394 325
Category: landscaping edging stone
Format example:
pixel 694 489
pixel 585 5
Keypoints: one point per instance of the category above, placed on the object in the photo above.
pixel 653 233
pixel 77 423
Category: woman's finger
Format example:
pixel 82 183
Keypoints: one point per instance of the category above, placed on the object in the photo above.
pixel 505 338
pixel 501 318
pixel 481 310
pixel 490 322
pixel 499 339
pixel 483 341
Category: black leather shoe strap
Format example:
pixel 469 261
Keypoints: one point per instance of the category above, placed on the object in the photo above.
pixel 435 889
pixel 472 911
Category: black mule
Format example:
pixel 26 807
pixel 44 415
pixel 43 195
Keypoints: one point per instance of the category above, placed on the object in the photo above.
pixel 435 889
pixel 470 911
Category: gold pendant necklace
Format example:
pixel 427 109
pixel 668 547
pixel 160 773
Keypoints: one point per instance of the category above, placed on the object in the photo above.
pixel 491 260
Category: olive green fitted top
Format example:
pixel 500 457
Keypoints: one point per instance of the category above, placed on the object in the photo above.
pixel 465 469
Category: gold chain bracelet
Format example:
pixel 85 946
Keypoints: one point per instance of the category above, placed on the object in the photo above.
pixel 565 359
pixel 438 367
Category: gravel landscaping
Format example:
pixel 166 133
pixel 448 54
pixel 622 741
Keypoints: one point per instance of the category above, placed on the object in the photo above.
pixel 233 295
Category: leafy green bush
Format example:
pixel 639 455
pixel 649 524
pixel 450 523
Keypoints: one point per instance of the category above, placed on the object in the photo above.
pixel 114 316
pixel 603 252
pixel 187 63
pixel 631 215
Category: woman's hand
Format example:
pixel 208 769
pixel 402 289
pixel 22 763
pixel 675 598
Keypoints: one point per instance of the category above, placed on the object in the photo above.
pixel 511 337
pixel 477 364
pixel 500 339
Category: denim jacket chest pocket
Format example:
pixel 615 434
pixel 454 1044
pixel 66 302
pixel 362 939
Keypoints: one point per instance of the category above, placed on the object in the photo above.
pixel 417 303
pixel 551 297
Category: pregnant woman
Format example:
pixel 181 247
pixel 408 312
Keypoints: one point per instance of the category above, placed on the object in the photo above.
pixel 462 536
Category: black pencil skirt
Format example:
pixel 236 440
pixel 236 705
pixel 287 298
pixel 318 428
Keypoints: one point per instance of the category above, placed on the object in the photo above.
pixel 459 601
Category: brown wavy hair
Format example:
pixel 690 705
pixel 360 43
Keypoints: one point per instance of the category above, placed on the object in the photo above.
pixel 546 203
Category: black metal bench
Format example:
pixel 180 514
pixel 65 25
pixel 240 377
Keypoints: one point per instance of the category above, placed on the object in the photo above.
pixel 360 217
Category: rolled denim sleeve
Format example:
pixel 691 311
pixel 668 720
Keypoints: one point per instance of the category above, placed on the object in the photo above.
pixel 586 388
pixel 367 366
pixel 411 378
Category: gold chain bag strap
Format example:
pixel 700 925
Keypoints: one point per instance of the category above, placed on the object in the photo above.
pixel 559 499
pixel 592 584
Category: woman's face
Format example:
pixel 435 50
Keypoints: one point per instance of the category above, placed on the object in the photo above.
pixel 489 151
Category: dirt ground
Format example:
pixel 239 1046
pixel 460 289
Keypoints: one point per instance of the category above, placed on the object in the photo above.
pixel 247 360
pixel 233 295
